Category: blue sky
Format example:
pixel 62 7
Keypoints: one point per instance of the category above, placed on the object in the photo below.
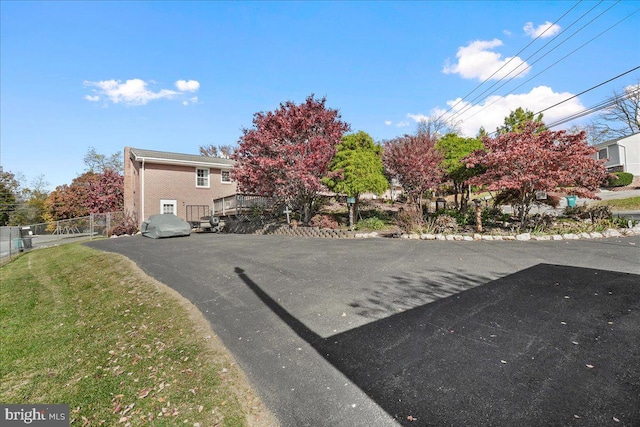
pixel 174 76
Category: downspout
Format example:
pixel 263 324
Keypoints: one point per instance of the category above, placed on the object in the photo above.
pixel 142 191
pixel 624 165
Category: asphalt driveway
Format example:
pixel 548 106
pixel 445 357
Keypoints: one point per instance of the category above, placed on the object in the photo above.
pixel 378 332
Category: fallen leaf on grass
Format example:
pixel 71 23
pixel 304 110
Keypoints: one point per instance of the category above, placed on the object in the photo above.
pixel 577 417
pixel 616 420
pixel 412 418
pixel 590 366
pixel 144 393
pixel 504 362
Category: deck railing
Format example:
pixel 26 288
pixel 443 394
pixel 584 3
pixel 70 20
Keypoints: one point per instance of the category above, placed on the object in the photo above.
pixel 240 203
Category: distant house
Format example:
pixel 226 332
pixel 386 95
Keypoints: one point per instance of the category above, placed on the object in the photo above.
pixel 158 182
pixel 622 154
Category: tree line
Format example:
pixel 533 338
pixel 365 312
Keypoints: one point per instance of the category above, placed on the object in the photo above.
pixel 296 152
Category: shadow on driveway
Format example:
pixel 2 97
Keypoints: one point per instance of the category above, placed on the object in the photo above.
pixel 548 345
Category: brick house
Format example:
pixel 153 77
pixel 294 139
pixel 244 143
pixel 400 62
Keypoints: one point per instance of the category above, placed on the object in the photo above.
pixel 161 182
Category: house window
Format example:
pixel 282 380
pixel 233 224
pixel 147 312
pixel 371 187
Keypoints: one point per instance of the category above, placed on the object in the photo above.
pixel 168 206
pixel 225 176
pixel 603 154
pixel 202 178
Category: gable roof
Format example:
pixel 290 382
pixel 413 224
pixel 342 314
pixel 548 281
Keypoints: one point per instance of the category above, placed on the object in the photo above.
pixel 165 157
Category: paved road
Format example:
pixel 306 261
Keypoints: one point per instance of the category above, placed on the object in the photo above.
pixel 377 332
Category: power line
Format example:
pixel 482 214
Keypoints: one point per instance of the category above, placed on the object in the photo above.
pixel 552 65
pixel 600 106
pixel 588 90
pixel 525 61
pixel 511 59
pixel 555 63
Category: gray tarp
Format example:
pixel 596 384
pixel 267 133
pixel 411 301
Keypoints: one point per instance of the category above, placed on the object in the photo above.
pixel 165 225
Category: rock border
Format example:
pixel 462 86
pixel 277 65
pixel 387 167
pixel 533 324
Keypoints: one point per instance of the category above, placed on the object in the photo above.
pixel 326 233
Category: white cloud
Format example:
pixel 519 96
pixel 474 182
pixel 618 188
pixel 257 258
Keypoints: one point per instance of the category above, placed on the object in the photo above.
pixel 137 91
pixel 499 107
pixel 188 86
pixel 387 122
pixel 477 60
pixel 131 92
pixel 418 117
pixel 192 100
pixel 543 30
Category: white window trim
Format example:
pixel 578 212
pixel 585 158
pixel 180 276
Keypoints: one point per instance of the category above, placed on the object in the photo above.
pixel 606 149
pixel 164 202
pixel 208 185
pixel 223 181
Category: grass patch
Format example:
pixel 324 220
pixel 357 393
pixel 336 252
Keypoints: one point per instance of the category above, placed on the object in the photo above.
pixel 628 204
pixel 85 328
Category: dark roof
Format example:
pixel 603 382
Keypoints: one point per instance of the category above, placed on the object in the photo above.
pixel 152 156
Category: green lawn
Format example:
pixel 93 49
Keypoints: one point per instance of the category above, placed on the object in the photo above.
pixel 628 204
pixel 86 328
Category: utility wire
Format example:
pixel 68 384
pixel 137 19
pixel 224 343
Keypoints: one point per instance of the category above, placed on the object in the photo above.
pixel 511 59
pixel 561 59
pixel 588 90
pixel 462 111
pixel 600 106
pixel 555 63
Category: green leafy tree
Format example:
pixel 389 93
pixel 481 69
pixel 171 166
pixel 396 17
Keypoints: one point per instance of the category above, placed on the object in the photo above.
pixel 9 192
pixel 31 205
pixel 356 169
pixel 454 148
pixel 517 120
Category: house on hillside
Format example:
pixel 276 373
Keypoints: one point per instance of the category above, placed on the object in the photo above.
pixel 622 154
pixel 158 182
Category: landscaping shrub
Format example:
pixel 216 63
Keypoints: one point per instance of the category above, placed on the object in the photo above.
pixel 323 221
pixel 619 179
pixel 372 223
pixel 128 225
pixel 409 218
pixel 445 224
pixel 593 213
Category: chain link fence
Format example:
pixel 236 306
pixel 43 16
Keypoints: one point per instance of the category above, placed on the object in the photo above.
pixel 16 239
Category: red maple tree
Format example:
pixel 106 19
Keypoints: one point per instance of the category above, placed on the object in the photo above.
pixel 534 159
pixel 415 163
pixel 287 151
pixel 88 193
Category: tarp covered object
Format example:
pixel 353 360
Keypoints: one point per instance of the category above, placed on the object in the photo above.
pixel 165 225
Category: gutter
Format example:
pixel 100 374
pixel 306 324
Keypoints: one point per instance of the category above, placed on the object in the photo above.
pixel 181 162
